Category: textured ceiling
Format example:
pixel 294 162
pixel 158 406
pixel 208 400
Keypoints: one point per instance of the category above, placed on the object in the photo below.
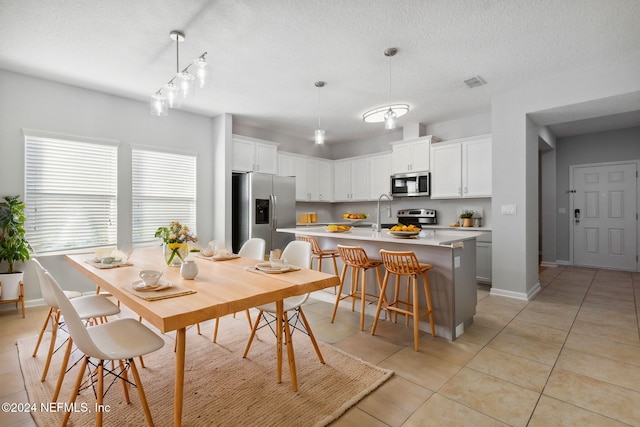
pixel 267 54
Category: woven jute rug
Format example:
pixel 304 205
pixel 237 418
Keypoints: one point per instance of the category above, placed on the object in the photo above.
pixel 220 389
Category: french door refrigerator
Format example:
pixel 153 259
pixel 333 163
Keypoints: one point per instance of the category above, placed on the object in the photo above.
pixel 260 204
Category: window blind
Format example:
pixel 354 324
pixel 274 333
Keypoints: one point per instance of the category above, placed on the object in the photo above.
pixel 163 190
pixel 70 194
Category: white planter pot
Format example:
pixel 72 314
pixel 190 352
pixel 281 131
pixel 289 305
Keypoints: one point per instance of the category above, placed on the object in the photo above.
pixel 10 289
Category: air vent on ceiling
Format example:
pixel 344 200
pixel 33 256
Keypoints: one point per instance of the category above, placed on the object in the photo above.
pixel 474 82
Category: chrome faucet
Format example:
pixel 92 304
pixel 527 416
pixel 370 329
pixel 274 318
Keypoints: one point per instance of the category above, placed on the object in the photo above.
pixel 378 222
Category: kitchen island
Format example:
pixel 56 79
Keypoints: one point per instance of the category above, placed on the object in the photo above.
pixel 452 254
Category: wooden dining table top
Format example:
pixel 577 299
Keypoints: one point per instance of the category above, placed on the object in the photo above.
pixel 221 287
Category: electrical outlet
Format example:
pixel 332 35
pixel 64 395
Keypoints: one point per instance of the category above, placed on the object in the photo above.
pixel 508 209
pixel 456 262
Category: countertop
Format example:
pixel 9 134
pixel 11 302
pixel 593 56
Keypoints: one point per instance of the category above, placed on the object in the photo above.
pixel 368 224
pixel 449 236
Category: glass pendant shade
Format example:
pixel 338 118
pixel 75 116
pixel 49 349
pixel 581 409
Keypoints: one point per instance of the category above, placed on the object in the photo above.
pixel 158 104
pixel 186 85
pixel 171 92
pixel 390 119
pixel 319 136
pixel 202 71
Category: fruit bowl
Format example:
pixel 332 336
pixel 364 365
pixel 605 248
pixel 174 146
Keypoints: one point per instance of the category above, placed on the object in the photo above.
pixel 333 228
pixel 354 218
pixel 404 234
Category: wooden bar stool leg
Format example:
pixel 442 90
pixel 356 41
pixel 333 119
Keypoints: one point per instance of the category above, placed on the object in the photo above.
pixel 339 293
pixel 363 289
pixel 354 287
pixel 335 265
pixel 380 300
pixel 396 302
pixel 427 292
pixel 416 315
pixel 320 263
pixel 408 299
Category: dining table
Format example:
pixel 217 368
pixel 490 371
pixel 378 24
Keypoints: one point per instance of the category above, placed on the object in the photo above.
pixel 223 285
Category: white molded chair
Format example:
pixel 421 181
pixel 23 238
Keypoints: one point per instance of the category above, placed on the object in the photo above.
pixel 253 248
pixel 89 307
pixel 296 253
pixel 120 339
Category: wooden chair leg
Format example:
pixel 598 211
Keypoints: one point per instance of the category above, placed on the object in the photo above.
pixel 54 335
pixel 311 336
pixel 124 380
pixel 248 313
pixel 74 392
pixel 63 370
pixel 290 353
pixel 215 330
pixel 100 393
pixel 141 395
pixel 44 328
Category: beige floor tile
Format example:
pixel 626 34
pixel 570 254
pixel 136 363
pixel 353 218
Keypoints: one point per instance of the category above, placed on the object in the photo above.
pixel 457 352
pixel 329 332
pixel 553 412
pixel 356 417
pixel 537 351
pixel 16 419
pixel 622 334
pixel 536 316
pixel 395 401
pixel 396 333
pixel 421 369
pixel 536 332
pixel 11 382
pixel 571 287
pixel 625 304
pixel 594 395
pixel 626 353
pixel 515 369
pixel 478 334
pixel 439 411
pixel 600 368
pixel 506 306
pixel 373 349
pixel 491 320
pixel 492 396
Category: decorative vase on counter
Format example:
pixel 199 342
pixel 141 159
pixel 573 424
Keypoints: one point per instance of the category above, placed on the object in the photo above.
pixel 175 253
pixel 189 269
pixel 466 222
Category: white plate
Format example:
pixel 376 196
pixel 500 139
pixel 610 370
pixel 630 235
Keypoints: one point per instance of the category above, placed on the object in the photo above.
pixel 139 285
pixel 336 231
pixel 266 267
pixel 224 257
pixel 404 234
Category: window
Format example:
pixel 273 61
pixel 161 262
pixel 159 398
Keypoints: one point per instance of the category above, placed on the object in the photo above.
pixel 163 190
pixel 70 194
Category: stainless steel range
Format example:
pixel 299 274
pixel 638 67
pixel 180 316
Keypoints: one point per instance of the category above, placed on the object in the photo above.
pixel 417 217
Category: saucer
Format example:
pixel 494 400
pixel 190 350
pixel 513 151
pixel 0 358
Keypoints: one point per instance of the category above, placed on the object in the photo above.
pixel 139 285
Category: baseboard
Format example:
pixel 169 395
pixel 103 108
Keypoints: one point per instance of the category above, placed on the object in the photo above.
pixel 517 295
pixel 563 262
pixel 548 264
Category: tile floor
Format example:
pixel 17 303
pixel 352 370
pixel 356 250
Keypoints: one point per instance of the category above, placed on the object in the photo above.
pixel 569 357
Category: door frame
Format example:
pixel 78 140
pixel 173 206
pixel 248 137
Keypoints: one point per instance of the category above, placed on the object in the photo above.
pixel 571 202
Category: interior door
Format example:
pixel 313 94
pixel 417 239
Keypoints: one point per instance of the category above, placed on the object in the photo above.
pixel 603 216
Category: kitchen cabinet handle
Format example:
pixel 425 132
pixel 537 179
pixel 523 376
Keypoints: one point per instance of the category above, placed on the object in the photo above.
pixel 459 191
pixel 466 190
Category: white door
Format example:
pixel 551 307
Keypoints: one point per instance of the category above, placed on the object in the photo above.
pixel 604 216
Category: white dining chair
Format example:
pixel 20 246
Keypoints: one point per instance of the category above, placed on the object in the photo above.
pixel 90 308
pixel 253 248
pixel 118 340
pixel 296 253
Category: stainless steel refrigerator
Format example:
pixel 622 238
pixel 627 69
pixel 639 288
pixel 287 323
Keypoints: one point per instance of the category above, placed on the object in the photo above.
pixel 260 204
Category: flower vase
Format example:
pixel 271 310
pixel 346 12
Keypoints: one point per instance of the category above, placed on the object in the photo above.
pixel 175 253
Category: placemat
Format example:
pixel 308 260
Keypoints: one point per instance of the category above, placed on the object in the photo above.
pixel 217 258
pixel 173 291
pixel 98 264
pixel 254 269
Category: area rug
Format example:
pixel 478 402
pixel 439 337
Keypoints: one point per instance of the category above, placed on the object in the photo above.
pixel 221 388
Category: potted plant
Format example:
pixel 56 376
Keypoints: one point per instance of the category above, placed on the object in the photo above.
pixel 466 217
pixel 13 247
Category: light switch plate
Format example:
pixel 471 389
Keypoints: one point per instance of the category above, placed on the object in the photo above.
pixel 508 209
pixel 562 210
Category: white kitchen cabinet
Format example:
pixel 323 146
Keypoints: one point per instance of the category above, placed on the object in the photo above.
pixel 461 168
pixel 250 154
pixel 314 177
pixel 411 156
pixel 351 180
pixel 379 175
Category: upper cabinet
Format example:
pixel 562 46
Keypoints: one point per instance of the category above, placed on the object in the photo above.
pixel 461 168
pixel 251 154
pixel 314 177
pixel 379 175
pixel 411 156
pixel 351 180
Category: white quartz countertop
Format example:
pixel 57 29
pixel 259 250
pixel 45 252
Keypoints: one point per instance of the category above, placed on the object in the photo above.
pixel 445 237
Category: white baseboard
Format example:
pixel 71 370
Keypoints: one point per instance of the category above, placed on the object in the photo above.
pixel 517 295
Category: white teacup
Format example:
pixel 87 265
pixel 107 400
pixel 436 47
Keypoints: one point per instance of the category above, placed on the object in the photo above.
pixel 277 263
pixel 150 277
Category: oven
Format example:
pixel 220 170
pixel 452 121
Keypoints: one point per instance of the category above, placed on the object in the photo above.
pixel 417 217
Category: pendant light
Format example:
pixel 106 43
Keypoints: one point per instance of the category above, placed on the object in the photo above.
pixel 183 83
pixel 319 133
pixel 388 113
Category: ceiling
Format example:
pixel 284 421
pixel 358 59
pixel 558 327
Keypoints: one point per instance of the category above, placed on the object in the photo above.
pixel 267 54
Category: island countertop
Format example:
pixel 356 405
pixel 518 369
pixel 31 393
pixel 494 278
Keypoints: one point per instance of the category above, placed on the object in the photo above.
pixel 445 237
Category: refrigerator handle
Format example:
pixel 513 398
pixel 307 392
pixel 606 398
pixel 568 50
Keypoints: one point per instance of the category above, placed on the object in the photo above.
pixel 274 212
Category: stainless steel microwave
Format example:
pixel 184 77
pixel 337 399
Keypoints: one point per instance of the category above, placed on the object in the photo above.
pixel 410 184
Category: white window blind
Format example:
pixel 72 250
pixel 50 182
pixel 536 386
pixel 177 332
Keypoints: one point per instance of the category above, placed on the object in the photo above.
pixel 163 190
pixel 71 194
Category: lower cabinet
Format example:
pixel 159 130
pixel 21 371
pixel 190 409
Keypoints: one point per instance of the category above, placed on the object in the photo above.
pixel 483 259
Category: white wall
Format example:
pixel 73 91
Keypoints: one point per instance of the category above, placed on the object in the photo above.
pixel 515 163
pixel 33 103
